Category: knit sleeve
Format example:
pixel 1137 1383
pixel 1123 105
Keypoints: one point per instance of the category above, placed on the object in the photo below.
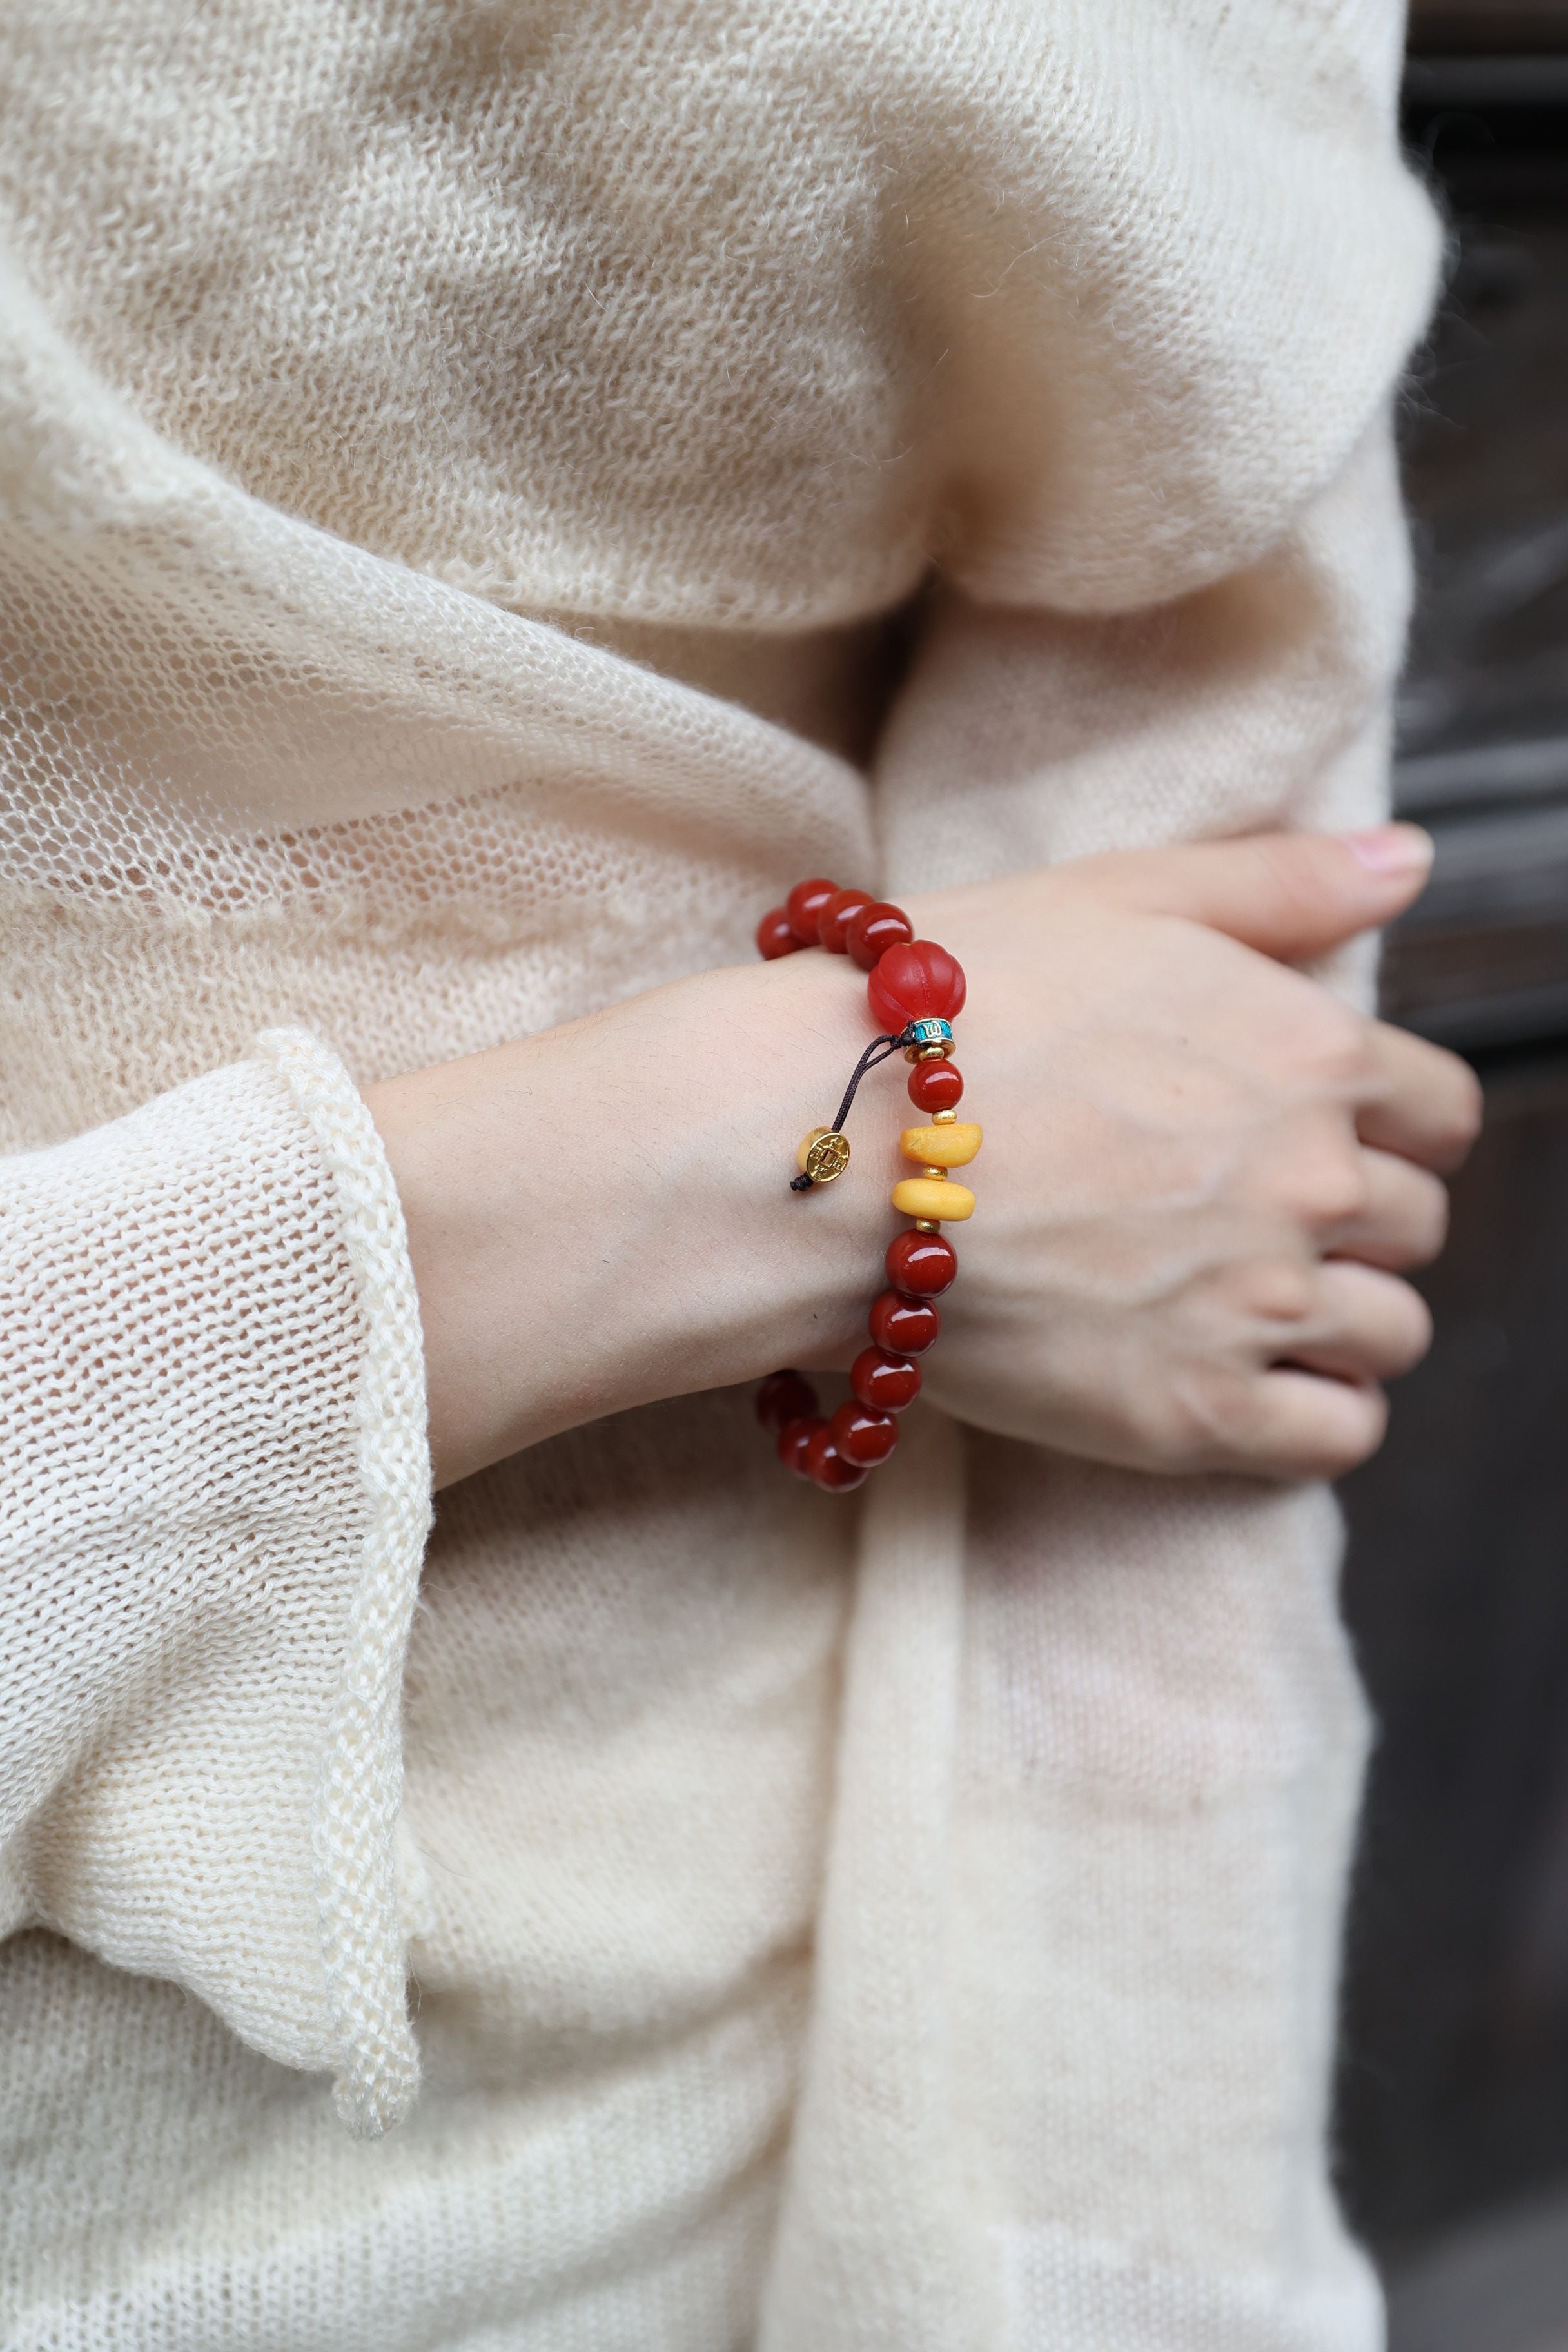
pixel 217 1492
pixel 1026 735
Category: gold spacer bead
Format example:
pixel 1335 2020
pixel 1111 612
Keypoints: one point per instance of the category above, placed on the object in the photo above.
pixel 927 1053
pixel 944 1119
pixel 927 1226
pixel 935 1175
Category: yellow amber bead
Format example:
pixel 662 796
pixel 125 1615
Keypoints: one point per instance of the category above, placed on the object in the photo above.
pixel 941 1147
pixel 934 1197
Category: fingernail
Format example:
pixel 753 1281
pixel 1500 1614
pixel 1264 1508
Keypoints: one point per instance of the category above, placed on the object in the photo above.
pixel 1392 849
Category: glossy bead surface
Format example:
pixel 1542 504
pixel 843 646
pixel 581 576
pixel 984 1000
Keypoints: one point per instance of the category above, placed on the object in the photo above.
pixel 935 1198
pixel 835 920
pixel 904 1327
pixel 875 929
pixel 775 936
pixel 863 1435
pixel 941 1147
pixel 784 1397
pixel 805 904
pixel 794 1439
pixel 935 1086
pixel 887 1384
pixel 825 1466
pixel 921 1264
pixel 917 981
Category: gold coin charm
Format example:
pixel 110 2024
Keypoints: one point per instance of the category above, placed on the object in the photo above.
pixel 823 1155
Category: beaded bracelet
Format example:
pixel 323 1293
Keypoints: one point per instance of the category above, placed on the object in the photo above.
pixel 916 990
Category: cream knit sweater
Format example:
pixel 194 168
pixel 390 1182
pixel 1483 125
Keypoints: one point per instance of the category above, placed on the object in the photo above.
pixel 454 461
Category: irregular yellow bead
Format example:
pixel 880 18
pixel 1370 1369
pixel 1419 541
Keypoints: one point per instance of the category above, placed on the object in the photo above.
pixel 934 1197
pixel 941 1147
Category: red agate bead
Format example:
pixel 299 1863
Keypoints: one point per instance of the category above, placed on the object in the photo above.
pixel 775 936
pixel 784 1397
pixel 825 1466
pixel 836 918
pixel 805 904
pixel 935 1086
pixel 919 1264
pixel 916 981
pixel 905 1327
pixel 794 1439
pixel 864 1435
pixel 876 928
pixel 886 1382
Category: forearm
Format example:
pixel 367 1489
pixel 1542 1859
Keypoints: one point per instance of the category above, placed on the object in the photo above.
pixel 600 1215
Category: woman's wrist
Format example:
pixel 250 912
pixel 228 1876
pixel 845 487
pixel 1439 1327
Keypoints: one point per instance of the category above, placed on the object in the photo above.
pixel 600 1215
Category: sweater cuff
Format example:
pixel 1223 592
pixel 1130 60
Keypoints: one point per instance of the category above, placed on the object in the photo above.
pixel 217 1480
pixel 359 1788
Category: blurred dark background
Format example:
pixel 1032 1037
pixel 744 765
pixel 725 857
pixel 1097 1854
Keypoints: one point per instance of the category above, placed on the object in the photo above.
pixel 1453 2112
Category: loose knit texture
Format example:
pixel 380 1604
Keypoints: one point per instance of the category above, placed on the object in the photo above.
pixel 455 467
pixel 190 1299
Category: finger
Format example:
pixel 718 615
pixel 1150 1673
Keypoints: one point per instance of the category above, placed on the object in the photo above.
pixel 1421 1102
pixel 1403 1219
pixel 1290 895
pixel 1303 1426
pixel 1364 1325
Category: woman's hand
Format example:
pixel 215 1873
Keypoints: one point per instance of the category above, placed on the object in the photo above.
pixel 1207 1171
pixel 1201 1174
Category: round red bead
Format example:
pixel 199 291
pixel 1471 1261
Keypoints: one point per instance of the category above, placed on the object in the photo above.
pixel 794 1439
pixel 837 917
pixel 775 936
pixel 918 1263
pixel 876 928
pixel 863 1435
pixel 825 1466
pixel 784 1397
pixel 804 905
pixel 887 1383
pixel 935 1086
pixel 905 1327
pixel 916 981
